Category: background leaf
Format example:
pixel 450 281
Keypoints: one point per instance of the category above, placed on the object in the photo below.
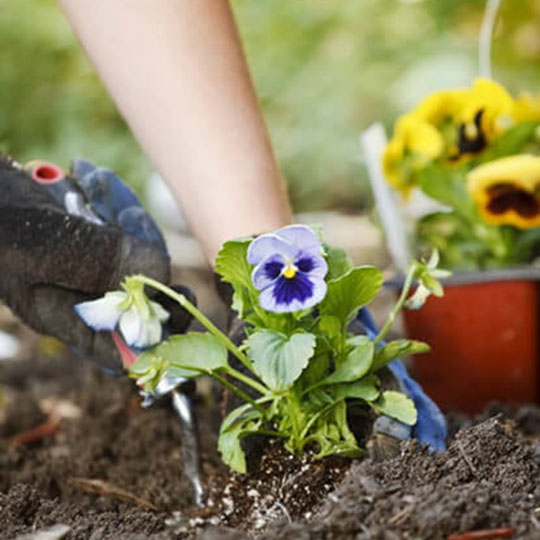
pixel 347 294
pixel 279 360
pixel 398 406
pixel 446 186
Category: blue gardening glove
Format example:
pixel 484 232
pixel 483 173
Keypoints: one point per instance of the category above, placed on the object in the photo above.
pixel 430 427
pixel 65 239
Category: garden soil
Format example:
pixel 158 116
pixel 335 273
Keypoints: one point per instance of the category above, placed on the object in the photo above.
pixel 76 449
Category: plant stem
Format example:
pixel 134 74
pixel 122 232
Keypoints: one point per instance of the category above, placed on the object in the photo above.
pixel 240 393
pixel 205 321
pixel 399 305
pixel 247 380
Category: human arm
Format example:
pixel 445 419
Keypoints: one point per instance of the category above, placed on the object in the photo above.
pixel 176 70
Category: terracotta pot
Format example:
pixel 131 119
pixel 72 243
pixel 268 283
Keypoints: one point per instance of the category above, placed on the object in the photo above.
pixel 484 340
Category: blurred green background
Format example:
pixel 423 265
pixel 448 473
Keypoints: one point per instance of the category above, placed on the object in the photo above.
pixel 324 70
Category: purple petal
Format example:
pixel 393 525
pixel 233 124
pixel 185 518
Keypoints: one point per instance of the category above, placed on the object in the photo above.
pixel 302 237
pixel 269 244
pixel 314 265
pixel 288 295
pixel 268 271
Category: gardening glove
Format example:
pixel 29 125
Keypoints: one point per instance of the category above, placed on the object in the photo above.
pixel 430 427
pixel 67 239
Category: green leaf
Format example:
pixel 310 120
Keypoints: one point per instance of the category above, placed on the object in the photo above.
pixel 330 325
pixel 446 186
pixel 396 405
pixel 356 365
pixel 511 142
pixel 347 294
pixel 233 429
pixel 397 349
pixel 338 261
pixel 279 360
pixel 365 388
pixel 232 264
pixel 231 450
pixel 189 354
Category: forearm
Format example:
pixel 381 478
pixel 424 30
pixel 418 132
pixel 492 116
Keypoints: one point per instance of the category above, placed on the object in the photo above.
pixel 177 73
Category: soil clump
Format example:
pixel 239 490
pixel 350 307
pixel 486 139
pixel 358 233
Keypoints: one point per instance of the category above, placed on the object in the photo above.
pixel 489 477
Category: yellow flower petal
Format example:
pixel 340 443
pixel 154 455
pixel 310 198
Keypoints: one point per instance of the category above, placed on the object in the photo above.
pixel 506 191
pixel 526 108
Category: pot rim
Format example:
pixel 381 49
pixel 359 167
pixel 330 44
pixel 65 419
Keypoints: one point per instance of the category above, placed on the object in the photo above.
pixel 471 277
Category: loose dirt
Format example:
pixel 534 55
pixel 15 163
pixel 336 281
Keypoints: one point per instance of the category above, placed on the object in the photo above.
pixel 102 462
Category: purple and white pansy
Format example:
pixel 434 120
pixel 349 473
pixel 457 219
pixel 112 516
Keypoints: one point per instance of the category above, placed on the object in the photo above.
pixel 289 269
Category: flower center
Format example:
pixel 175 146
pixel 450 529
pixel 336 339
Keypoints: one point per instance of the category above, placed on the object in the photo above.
pixel 290 271
pixel 506 196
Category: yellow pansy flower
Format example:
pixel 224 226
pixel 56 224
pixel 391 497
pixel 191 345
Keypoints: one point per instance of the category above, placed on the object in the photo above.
pixel 507 191
pixel 415 143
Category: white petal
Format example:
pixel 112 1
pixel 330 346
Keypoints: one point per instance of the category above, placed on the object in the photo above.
pixel 269 244
pixel 301 236
pixel 150 334
pixel 158 310
pixel 131 327
pixel 103 313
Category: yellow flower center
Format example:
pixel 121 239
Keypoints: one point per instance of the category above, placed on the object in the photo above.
pixel 290 271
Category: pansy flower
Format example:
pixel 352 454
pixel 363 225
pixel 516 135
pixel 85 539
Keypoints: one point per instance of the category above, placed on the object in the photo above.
pixel 138 318
pixel 452 126
pixel 289 269
pixel 507 191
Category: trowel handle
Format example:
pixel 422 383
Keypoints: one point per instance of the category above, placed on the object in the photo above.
pixel 64 189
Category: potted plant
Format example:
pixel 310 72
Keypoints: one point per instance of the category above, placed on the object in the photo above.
pixel 475 152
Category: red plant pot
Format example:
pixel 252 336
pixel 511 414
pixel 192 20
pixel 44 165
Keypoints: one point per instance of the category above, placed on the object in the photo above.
pixel 484 342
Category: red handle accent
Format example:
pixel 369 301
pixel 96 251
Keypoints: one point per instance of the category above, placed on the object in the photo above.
pixel 45 172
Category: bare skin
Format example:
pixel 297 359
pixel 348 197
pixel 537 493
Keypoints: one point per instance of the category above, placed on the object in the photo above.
pixel 176 71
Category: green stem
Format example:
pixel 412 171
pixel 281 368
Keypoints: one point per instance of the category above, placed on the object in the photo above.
pixel 247 380
pixel 295 413
pixel 205 321
pixel 240 393
pixel 399 305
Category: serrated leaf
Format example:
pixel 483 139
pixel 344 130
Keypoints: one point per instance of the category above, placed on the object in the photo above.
pixel 279 360
pixel 356 365
pixel 189 354
pixel 347 294
pixel 365 388
pixel 232 264
pixel 397 349
pixel 398 406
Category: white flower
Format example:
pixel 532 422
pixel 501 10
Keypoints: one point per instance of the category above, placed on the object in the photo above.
pixel 427 276
pixel 138 318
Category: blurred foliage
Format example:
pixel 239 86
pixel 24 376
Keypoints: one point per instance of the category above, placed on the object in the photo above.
pixel 324 71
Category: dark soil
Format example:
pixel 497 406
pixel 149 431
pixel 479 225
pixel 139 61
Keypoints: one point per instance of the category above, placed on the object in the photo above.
pixel 490 476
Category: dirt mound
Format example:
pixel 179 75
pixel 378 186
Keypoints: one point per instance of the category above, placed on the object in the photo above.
pixel 490 476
